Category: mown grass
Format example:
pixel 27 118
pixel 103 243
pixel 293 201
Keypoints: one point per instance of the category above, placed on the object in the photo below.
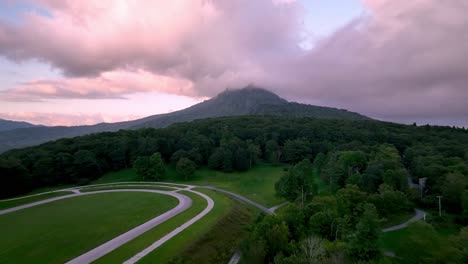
pixel 223 239
pixel 213 239
pixel 61 230
pixel 125 175
pixel 18 202
pixel 257 184
pixel 133 247
pixel 392 240
pixel 116 187
pixel 396 219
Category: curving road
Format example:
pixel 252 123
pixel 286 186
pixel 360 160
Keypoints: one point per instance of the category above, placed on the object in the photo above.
pixel 107 247
pixel 176 231
pixel 184 203
pixel 419 214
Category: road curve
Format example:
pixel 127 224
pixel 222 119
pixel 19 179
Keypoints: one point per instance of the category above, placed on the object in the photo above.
pixel 419 214
pixel 24 206
pixel 241 198
pixel 174 232
pixel 187 186
pixel 184 203
pixel 235 258
pixel 34 195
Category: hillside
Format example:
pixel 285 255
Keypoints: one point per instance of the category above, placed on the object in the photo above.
pixel 247 101
pixel 6 125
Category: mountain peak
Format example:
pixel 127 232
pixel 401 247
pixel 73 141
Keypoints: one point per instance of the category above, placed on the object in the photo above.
pixel 250 94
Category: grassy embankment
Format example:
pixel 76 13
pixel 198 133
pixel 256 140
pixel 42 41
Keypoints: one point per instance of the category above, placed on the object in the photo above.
pixel 445 227
pixel 123 186
pixel 213 239
pixel 257 184
pixel 26 200
pixel 214 236
pixel 58 231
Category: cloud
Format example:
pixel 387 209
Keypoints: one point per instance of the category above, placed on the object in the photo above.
pixel 207 42
pixel 55 119
pixel 404 59
pixel 109 85
pixel 400 60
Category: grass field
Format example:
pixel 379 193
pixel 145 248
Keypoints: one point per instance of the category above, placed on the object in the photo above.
pixel 136 245
pixel 210 240
pixel 116 187
pixel 17 202
pixel 391 240
pixel 60 230
pixel 257 184
pixel 217 245
pixel 397 219
pixel 126 175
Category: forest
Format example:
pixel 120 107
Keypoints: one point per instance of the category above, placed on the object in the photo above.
pixel 366 168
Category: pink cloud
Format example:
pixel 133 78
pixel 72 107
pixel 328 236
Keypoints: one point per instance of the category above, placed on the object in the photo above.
pixel 403 59
pixel 206 42
pixel 55 119
pixel 114 84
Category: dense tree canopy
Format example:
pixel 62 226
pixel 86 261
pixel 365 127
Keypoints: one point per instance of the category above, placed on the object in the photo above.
pixel 364 153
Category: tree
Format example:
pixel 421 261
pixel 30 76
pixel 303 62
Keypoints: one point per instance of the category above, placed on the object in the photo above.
pixel 157 168
pixel 185 168
pixel 452 190
pixel 297 183
pixel 273 233
pixel 324 224
pixel 241 160
pixel 465 207
pixel 253 152
pixel 295 219
pixel 215 161
pixel 308 251
pixel 272 152
pixel 349 204
pixel 14 177
pixel 141 166
pixel 460 243
pixel 150 168
pixel 86 165
pixel 319 161
pixel 362 244
pixel 296 150
pixel 388 201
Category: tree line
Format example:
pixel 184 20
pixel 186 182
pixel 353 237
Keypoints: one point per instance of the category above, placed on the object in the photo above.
pixel 364 153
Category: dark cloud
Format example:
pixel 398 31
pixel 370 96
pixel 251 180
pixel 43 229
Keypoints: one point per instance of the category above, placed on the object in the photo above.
pixel 403 60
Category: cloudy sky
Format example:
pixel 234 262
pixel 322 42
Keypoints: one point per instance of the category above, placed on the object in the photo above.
pixel 67 62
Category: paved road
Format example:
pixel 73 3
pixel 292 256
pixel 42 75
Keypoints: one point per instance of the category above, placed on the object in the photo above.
pixel 184 203
pixel 235 258
pixel 34 195
pixel 174 232
pixel 240 198
pixel 274 208
pixel 20 207
pixel 419 214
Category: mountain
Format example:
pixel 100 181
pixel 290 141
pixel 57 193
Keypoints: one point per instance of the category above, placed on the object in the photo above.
pixel 6 125
pixel 247 101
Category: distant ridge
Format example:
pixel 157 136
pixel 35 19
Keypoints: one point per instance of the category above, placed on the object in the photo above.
pixel 247 101
pixel 6 125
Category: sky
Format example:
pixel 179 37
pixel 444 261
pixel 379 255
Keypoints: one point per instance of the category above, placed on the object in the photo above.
pixel 67 62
